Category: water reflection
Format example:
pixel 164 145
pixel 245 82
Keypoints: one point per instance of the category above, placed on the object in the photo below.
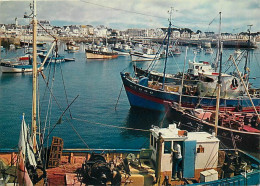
pixel 139 118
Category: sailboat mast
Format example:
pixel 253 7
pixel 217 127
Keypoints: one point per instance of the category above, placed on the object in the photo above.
pixel 34 90
pixel 219 77
pixel 167 46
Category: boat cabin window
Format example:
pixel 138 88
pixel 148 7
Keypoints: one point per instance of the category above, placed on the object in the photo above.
pixel 200 149
pixel 197 67
pixel 167 147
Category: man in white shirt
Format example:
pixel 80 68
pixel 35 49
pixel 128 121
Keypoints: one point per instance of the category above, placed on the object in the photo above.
pixel 177 159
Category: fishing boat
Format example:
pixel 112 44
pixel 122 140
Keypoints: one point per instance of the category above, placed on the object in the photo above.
pixel 190 77
pixel 150 94
pixel 95 52
pixel 239 128
pixel 72 47
pixel 24 43
pixel 147 54
pixel 202 162
pixel 234 128
pixel 122 49
pixel 18 65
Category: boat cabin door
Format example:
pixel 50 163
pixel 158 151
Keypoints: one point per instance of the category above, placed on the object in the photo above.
pixel 189 153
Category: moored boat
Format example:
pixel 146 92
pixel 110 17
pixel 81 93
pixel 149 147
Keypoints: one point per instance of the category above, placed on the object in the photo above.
pixel 209 51
pixel 234 128
pixel 71 46
pixel 51 59
pixel 94 52
pixel 174 157
pixel 147 54
pixel 122 49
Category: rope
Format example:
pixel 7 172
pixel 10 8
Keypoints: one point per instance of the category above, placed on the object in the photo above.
pixel 112 126
pixel 119 95
pixel 65 90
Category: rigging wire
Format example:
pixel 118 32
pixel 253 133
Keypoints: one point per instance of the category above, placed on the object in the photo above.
pixel 65 90
pixel 124 10
pixel 112 126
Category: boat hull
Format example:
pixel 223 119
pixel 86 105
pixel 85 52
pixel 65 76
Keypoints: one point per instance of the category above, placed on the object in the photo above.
pixel 157 99
pixel 142 57
pixel 122 52
pixel 100 55
pixel 17 68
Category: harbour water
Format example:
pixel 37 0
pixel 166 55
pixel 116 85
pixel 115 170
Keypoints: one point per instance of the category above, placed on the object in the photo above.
pixel 98 84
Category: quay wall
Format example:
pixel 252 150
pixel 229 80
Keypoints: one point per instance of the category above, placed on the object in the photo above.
pixel 227 43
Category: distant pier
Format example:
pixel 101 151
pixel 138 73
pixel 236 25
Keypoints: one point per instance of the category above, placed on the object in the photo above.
pixel 227 43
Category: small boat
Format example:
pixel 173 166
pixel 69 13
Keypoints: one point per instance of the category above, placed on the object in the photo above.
pixel 72 47
pixel 69 59
pixel 94 52
pixel 209 51
pixel 199 48
pixel 29 43
pixel 12 47
pixel 147 54
pixel 176 51
pixel 122 49
pixel 52 59
pixel 9 66
pixel 237 52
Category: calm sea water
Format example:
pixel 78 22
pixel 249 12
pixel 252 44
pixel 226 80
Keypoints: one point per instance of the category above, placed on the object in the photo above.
pixel 98 84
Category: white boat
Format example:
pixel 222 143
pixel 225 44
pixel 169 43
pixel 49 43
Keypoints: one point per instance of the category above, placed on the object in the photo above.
pixel 122 49
pixel 147 54
pixel 209 51
pixel 231 86
pixel 237 52
pixel 72 47
pixel 95 52
pixel 18 65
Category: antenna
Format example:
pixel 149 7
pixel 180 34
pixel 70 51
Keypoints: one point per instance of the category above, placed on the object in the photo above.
pixel 170 12
pixel 249 29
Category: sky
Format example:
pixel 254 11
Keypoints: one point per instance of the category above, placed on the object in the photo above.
pixel 123 14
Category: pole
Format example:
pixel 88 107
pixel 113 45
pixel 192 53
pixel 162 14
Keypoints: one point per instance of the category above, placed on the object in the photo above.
pixel 159 158
pixel 219 78
pixel 244 86
pixel 182 80
pixel 34 91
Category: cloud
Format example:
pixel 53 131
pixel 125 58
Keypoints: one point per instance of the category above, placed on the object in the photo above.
pixel 123 14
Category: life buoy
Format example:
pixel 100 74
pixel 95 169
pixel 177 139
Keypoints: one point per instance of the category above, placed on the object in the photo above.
pixel 234 84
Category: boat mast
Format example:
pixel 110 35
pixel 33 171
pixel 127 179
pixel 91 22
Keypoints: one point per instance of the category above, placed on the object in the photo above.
pixel 34 127
pixel 182 80
pixel 167 46
pixel 219 77
pixel 247 57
